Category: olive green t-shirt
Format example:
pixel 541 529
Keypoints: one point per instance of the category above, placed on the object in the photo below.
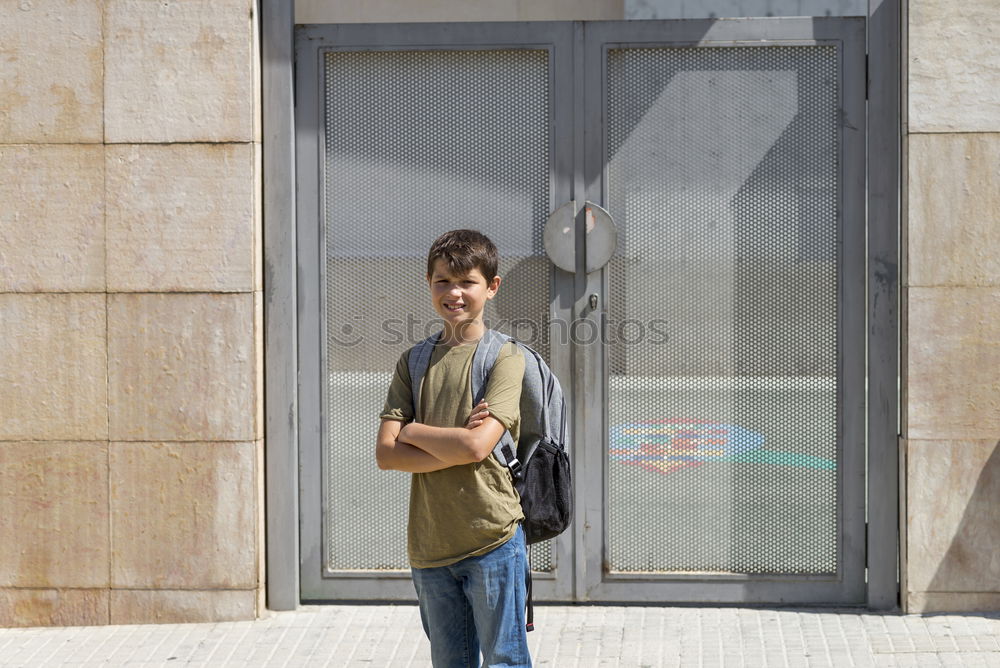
pixel 467 510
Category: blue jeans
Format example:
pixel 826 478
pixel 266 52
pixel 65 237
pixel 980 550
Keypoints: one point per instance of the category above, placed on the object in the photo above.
pixel 477 603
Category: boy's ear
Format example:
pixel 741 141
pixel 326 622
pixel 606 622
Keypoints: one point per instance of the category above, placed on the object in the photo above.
pixel 493 286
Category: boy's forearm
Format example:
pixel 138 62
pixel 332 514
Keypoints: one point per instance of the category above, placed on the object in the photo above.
pixel 448 444
pixel 401 456
pixel 455 445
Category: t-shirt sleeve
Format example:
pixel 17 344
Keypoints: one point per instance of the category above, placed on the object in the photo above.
pixel 503 390
pixel 399 399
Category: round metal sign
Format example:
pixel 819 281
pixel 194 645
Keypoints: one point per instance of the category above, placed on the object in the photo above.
pixel 559 236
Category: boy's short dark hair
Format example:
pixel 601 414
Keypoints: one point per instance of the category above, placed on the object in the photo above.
pixel 463 251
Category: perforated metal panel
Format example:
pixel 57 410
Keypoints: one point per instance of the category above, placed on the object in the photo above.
pixel 723 405
pixel 417 143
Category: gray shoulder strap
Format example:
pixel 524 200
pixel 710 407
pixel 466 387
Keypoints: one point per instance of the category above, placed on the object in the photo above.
pixel 487 352
pixel 538 382
pixel 418 361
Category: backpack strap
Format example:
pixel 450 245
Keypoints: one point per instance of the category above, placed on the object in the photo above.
pixel 506 453
pixel 487 352
pixel 529 602
pixel 537 386
pixel 418 362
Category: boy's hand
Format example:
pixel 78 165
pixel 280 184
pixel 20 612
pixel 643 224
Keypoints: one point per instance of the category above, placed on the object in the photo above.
pixel 479 413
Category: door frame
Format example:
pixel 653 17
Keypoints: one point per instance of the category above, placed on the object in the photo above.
pixel 280 299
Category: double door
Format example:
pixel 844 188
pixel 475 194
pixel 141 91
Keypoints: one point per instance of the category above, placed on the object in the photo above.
pixel 679 207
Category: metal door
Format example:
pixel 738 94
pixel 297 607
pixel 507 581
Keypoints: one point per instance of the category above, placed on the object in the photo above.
pixel 404 132
pixel 721 412
pixel 714 366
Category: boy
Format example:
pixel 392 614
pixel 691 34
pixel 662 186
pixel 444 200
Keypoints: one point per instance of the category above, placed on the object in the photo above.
pixel 465 542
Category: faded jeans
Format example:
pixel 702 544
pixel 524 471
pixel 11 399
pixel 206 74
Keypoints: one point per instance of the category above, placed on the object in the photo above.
pixel 477 604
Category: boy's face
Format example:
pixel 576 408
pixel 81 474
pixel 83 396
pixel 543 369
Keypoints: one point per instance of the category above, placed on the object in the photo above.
pixel 460 299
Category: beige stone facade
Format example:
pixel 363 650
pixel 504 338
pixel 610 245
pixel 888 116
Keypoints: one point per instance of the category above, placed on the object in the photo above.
pixel 951 330
pixel 130 376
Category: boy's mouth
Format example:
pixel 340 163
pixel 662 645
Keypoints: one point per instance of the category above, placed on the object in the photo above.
pixel 454 308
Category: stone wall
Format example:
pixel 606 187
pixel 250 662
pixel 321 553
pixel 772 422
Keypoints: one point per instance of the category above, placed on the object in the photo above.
pixel 951 352
pixel 130 312
pixel 130 304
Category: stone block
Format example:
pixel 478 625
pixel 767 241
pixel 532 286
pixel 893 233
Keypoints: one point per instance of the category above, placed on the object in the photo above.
pixel 53 367
pixel 919 603
pixel 954 210
pixel 184 516
pixel 182 367
pixel 180 218
pixel 53 514
pixel 181 607
pixel 53 607
pixel 954 66
pixel 952 524
pixel 953 363
pixel 53 69
pixel 178 71
pixel 51 218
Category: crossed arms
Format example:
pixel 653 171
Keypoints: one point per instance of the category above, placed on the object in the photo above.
pixel 420 448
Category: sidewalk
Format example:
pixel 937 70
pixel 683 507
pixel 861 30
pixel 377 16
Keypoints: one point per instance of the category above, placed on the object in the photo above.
pixel 566 636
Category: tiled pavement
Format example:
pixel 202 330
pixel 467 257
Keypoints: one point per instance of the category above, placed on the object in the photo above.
pixel 566 636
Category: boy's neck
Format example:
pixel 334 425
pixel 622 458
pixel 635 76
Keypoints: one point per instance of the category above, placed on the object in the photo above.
pixel 467 334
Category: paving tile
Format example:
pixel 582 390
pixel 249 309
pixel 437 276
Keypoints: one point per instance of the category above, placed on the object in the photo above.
pixel 391 635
